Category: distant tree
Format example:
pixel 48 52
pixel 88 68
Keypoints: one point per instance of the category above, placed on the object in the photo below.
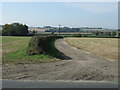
pixel 114 33
pixel 33 32
pixel 63 29
pixel 101 33
pixel 97 33
pixel 109 33
pixel 118 34
pixel 15 29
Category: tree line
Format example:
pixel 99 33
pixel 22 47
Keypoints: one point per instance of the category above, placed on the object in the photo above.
pixel 63 29
pixel 18 29
pixel 15 29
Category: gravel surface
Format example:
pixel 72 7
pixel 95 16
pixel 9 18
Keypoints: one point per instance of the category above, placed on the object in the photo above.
pixel 77 65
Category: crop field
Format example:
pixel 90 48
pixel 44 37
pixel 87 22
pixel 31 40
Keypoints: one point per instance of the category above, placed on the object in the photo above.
pixel 104 47
pixel 14 51
pixel 37 29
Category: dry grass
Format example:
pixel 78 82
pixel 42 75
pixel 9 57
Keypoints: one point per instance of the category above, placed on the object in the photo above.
pixel 37 29
pixel 11 44
pixel 105 47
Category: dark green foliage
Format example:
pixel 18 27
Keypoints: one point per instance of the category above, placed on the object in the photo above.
pixel 108 33
pixel 32 32
pixel 114 33
pixel 77 35
pixel 63 29
pixel 97 33
pixel 118 34
pixel 33 47
pixel 43 45
pixel 14 29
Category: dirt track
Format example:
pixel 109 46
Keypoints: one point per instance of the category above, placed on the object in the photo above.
pixel 78 65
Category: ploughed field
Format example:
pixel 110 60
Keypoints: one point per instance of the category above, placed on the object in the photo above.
pixel 104 47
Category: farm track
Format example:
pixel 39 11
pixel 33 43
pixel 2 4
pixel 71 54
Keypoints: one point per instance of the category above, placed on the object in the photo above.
pixel 80 65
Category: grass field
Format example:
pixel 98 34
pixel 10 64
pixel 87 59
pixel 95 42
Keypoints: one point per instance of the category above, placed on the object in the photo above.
pixel 104 47
pixel 14 51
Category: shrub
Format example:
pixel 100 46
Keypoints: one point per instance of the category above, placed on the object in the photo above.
pixel 77 35
pixel 43 45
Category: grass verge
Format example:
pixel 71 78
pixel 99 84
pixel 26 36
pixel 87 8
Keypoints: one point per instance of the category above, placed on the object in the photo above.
pixel 14 51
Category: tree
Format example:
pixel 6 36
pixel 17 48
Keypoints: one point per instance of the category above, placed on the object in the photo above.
pixel 97 33
pixel 15 29
pixel 114 33
pixel 6 29
pixel 109 33
pixel 33 32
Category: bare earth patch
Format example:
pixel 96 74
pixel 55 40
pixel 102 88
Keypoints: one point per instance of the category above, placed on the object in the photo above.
pixel 61 70
pixel 104 47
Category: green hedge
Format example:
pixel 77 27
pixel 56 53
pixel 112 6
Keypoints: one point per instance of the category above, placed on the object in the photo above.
pixel 43 45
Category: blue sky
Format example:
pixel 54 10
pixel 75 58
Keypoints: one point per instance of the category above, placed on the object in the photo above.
pixel 72 14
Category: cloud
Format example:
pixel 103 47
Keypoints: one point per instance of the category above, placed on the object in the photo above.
pixel 94 7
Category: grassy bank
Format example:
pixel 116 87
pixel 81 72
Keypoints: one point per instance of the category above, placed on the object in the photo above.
pixel 14 51
pixel 43 45
pixel 104 47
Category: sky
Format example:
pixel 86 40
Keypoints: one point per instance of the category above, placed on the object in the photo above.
pixel 71 14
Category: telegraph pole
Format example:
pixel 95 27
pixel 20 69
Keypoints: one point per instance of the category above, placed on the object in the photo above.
pixel 59 30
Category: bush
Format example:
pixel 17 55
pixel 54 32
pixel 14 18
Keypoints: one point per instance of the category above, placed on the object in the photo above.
pixel 43 45
pixel 77 35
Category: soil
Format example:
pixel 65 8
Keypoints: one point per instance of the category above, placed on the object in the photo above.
pixel 79 65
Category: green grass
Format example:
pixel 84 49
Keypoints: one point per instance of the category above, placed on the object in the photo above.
pixel 14 51
pixel 6 39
